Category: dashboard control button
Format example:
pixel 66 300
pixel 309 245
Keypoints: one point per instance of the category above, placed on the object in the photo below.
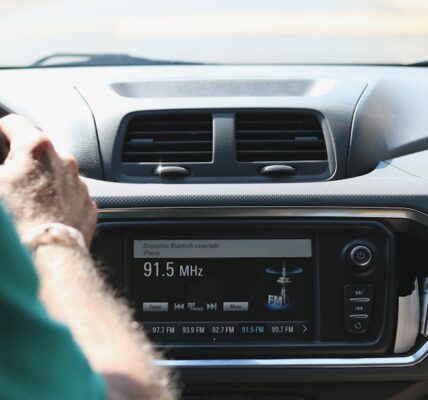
pixel 359 316
pixel 361 292
pixel 356 325
pixel 361 256
pixel 357 308
pixel 359 300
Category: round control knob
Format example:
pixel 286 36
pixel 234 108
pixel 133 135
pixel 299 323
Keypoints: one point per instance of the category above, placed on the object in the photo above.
pixel 361 256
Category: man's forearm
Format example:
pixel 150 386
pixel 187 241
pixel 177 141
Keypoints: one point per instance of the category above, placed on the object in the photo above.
pixel 74 293
pixel 51 205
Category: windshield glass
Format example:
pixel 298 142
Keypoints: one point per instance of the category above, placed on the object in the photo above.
pixel 220 31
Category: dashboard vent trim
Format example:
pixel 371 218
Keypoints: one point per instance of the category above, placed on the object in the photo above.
pixel 279 136
pixel 158 138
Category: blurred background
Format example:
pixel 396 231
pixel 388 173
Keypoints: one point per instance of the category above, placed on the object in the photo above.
pixel 220 31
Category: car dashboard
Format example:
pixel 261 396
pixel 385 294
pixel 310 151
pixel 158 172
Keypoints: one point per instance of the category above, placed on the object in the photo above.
pixel 268 224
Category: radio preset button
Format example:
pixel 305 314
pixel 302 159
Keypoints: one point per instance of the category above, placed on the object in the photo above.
pixel 256 329
pixel 296 330
pixel 222 329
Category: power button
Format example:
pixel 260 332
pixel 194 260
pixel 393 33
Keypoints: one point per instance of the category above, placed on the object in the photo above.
pixel 361 256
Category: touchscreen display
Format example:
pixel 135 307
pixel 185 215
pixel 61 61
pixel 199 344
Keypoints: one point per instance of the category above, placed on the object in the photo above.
pixel 221 291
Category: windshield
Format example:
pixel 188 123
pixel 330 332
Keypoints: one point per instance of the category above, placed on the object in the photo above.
pixel 220 31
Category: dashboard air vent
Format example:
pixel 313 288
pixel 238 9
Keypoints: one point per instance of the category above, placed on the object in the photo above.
pixel 279 136
pixel 181 137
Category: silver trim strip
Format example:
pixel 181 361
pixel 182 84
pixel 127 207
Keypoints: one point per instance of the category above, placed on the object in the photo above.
pixel 228 212
pixel 359 300
pixel 395 361
pixel 260 212
pixel 358 316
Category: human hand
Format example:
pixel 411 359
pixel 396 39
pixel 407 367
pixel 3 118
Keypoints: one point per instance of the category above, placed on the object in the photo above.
pixel 38 185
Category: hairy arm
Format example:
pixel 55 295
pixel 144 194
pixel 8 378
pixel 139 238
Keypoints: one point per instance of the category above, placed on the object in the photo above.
pixel 41 187
pixel 75 294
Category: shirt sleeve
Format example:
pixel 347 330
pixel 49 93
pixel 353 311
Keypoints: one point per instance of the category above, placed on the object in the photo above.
pixel 39 358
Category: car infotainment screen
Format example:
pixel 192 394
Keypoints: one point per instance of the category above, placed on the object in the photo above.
pixel 223 291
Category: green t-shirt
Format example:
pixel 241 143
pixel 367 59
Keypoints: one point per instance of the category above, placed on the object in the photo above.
pixel 39 358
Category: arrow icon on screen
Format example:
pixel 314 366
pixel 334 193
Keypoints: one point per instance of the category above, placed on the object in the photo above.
pixel 212 306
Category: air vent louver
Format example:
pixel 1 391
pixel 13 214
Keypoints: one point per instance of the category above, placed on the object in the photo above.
pixel 279 136
pixel 169 138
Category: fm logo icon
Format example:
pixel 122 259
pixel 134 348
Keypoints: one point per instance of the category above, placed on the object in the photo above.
pixel 283 277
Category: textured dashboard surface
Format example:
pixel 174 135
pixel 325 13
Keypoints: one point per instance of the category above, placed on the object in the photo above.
pixel 391 121
pixel 375 191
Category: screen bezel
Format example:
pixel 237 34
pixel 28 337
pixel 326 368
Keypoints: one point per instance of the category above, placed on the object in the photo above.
pixel 380 341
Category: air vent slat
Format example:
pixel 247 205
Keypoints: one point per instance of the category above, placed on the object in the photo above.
pixel 187 132
pixel 280 145
pixel 283 151
pixel 279 131
pixel 183 137
pixel 285 141
pixel 172 143
pixel 159 153
pixel 278 124
pixel 172 136
pixel 168 146
pixel 279 136
pixel 162 157
pixel 164 125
